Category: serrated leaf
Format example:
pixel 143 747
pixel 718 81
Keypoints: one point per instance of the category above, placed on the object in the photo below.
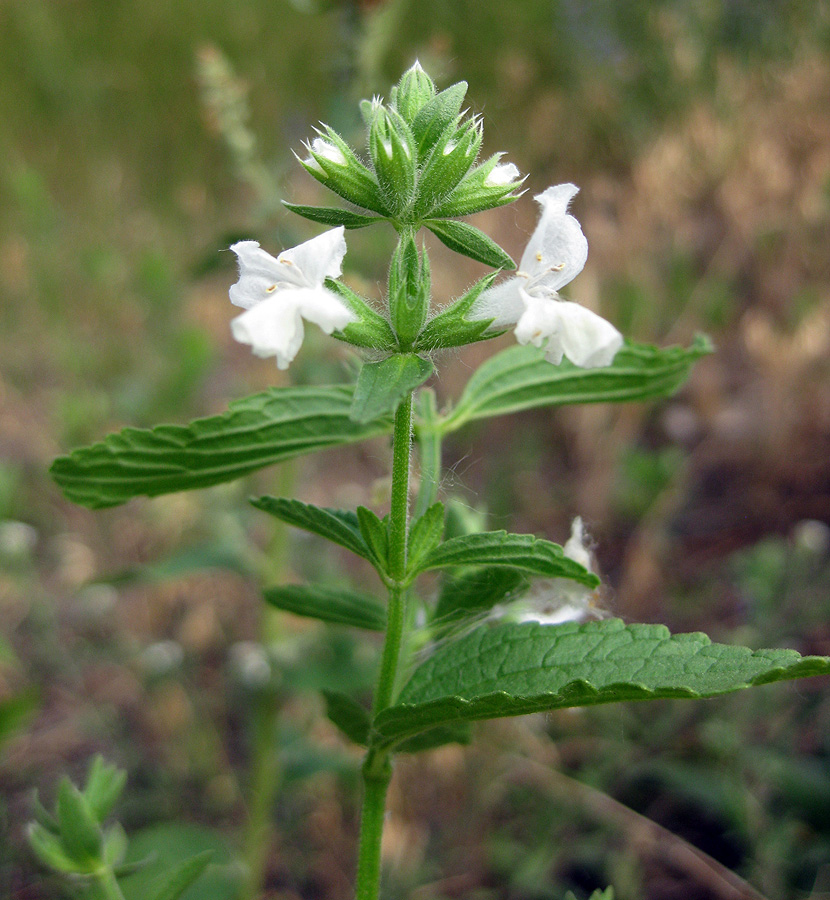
pixel 335 605
pixel 371 329
pixel 469 241
pixel 424 535
pixel 375 533
pixel 176 882
pixel 330 215
pixel 518 551
pixel 349 716
pixel 104 785
pixel 510 670
pixel 452 328
pixel 80 833
pixel 257 431
pixel 475 592
pixel 521 378
pixel 382 385
pixel 339 526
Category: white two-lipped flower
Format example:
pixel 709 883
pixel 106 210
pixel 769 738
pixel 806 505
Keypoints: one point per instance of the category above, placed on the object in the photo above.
pixel 278 294
pixel 554 256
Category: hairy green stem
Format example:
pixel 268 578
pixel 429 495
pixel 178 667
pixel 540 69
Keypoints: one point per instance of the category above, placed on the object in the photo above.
pixel 371 832
pixel 428 436
pixel 377 769
pixel 399 512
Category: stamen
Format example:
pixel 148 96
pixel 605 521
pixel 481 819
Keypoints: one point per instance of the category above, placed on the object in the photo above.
pixel 271 289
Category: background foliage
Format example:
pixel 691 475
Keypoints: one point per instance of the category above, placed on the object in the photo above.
pixel 699 134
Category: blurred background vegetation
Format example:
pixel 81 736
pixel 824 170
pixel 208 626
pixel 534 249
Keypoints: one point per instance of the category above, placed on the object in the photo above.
pixel 138 140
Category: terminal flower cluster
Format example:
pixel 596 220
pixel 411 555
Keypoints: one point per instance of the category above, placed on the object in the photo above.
pixel 421 170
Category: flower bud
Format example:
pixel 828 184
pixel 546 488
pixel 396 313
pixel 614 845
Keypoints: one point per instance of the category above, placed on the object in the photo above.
pixel 393 153
pixel 409 290
pixel 488 185
pixel 452 157
pixel 333 163
pixel 436 116
pixel 414 90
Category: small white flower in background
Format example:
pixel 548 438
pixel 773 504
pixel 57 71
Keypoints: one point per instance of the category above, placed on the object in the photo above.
pixel 558 600
pixel 279 293
pixel 554 256
pixel 250 663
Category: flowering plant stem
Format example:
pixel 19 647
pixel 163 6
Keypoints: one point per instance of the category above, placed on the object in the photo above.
pixel 377 769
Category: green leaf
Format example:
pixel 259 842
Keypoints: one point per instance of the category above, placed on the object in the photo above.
pixel 330 215
pixel 336 605
pixel 456 733
pixel 104 785
pixel 521 378
pixel 257 431
pixel 452 328
pixel 371 329
pixel 424 536
pixel 80 834
pixel 115 845
pixel 160 849
pixel 376 534
pixel 44 818
pixel 349 716
pixel 48 848
pixel 607 894
pixel 510 670
pixel 179 879
pixel 518 551
pixel 469 241
pixel 382 385
pixel 475 591
pixel 336 525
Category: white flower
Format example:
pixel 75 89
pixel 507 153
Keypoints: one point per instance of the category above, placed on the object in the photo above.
pixel 279 293
pixel 554 256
